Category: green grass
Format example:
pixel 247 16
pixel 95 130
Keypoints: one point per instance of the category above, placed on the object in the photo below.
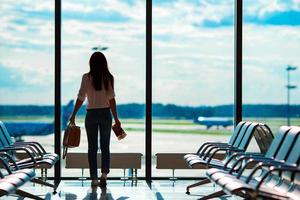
pixel 170 124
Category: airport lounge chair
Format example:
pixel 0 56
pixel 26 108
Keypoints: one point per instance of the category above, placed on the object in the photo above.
pixel 267 184
pixel 37 156
pixel 275 149
pixel 240 146
pixel 262 134
pixel 209 145
pixel 278 149
pixel 14 180
pixel 34 158
pixel 18 164
pixel 37 147
pixel 239 132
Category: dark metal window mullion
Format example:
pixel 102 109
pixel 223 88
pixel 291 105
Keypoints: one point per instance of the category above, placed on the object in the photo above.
pixel 238 60
pixel 148 152
pixel 57 91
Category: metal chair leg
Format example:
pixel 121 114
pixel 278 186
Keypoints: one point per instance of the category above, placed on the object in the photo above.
pixel 131 176
pixel 213 195
pixel 46 175
pixel 135 177
pixel 202 182
pixel 39 181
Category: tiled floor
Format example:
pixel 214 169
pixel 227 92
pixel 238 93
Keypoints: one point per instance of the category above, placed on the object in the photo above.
pixel 159 190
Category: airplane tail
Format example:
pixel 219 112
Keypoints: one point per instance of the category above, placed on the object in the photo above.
pixel 67 111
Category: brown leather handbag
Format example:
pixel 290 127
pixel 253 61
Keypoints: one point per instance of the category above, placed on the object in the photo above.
pixel 71 138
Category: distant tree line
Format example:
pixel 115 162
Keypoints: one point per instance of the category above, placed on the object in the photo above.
pixel 134 110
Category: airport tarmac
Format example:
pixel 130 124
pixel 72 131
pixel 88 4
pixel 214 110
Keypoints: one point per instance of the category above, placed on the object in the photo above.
pixel 135 143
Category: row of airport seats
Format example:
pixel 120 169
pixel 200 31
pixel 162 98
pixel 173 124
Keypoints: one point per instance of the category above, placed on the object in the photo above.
pixel 274 174
pixel 15 172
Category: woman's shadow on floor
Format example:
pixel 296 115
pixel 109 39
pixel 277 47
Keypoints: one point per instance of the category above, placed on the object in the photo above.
pixel 105 195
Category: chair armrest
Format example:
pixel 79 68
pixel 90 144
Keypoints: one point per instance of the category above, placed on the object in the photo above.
pixel 231 157
pixel 38 145
pixel 211 147
pixel 285 167
pixel 252 158
pixel 204 145
pixel 6 166
pixel 280 168
pixel 262 163
pixel 217 150
pixel 253 154
pixel 10 158
pixel 33 148
pixel 21 149
pixel 244 154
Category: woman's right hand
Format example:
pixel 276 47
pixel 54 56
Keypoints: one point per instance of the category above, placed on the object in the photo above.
pixel 117 122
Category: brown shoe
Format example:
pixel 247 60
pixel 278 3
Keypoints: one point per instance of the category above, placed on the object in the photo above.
pixel 102 183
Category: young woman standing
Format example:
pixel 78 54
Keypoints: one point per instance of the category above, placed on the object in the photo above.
pixel 98 87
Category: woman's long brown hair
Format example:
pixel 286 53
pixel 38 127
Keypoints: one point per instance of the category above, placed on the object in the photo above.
pixel 99 71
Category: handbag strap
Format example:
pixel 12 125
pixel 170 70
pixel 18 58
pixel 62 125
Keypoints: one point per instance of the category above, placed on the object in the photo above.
pixel 65 150
pixel 71 124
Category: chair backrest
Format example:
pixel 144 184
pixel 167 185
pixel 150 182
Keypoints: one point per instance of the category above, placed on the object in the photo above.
pixel 294 154
pixel 5 136
pixel 241 134
pixel 263 137
pixel 3 142
pixel 248 135
pixel 287 144
pixel 277 141
pixel 293 157
pixel 236 132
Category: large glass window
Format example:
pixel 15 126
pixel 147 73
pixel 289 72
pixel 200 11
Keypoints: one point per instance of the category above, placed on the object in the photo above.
pixel 27 70
pixel 193 65
pixel 116 28
pixel 192 76
pixel 270 47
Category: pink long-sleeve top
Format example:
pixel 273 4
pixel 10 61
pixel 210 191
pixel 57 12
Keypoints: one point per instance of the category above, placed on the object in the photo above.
pixel 95 99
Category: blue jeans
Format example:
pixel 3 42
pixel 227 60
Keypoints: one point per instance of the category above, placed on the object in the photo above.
pixel 98 119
